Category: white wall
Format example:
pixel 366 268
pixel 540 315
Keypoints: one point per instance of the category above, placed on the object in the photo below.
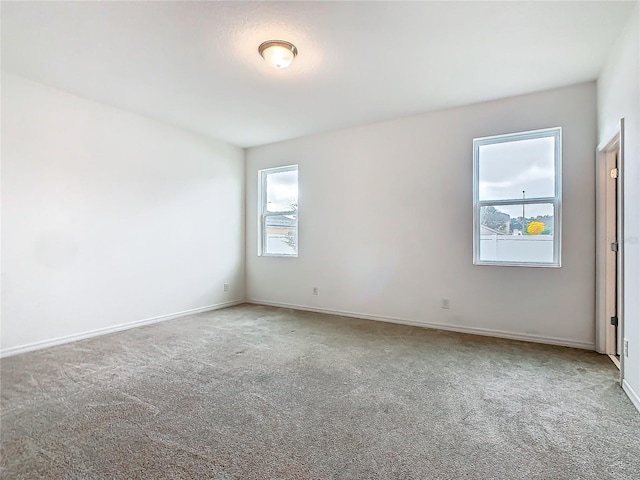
pixel 619 97
pixel 385 223
pixel 110 218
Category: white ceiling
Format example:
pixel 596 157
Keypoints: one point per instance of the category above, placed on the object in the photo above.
pixel 196 64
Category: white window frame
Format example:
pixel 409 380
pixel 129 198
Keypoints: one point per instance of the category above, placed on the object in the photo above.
pixel 263 213
pixel 556 200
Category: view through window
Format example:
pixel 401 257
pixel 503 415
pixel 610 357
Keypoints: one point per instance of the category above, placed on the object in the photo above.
pixel 279 211
pixel 517 198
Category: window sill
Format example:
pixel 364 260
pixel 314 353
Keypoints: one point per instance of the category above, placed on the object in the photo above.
pixel 516 264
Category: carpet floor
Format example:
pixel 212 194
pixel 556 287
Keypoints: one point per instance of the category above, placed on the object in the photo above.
pixel 253 392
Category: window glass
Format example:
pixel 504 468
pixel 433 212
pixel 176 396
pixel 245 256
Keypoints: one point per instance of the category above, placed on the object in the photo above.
pixel 508 169
pixel 282 191
pixel 503 238
pixel 517 199
pixel 278 189
pixel 281 235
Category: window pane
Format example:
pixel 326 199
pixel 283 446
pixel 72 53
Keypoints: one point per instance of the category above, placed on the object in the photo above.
pixel 507 169
pixel 503 238
pixel 281 234
pixel 282 191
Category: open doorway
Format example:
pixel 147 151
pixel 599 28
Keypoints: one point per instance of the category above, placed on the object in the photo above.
pixel 610 320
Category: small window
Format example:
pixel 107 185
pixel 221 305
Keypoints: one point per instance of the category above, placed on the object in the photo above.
pixel 517 199
pixel 278 189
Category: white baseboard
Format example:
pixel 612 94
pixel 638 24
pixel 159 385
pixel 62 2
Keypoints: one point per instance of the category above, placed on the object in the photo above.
pixel 453 328
pixel 526 337
pixel 29 347
pixel 633 396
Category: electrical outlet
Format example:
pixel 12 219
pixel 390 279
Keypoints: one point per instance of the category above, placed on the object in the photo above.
pixel 226 287
pixel 315 290
pixel 626 347
pixel 445 303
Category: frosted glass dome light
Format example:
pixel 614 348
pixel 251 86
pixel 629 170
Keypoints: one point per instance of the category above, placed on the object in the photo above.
pixel 278 53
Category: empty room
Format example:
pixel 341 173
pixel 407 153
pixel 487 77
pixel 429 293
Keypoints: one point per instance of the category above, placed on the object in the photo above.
pixel 320 240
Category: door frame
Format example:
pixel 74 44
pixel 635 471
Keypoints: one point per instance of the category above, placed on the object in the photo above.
pixel 606 299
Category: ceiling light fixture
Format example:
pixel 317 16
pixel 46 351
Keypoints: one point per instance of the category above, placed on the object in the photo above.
pixel 278 53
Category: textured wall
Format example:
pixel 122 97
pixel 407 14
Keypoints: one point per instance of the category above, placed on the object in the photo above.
pixel 618 97
pixel 386 223
pixel 110 218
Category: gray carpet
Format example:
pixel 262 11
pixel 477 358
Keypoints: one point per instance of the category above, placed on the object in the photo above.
pixel 254 392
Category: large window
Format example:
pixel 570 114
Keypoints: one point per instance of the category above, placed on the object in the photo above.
pixel 278 189
pixel 517 199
